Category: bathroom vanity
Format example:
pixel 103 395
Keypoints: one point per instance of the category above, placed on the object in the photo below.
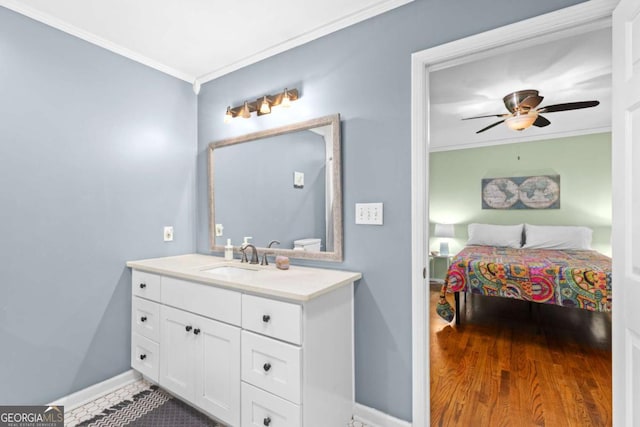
pixel 251 345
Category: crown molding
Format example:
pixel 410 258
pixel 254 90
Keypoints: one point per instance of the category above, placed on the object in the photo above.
pixel 354 18
pixel 361 15
pixel 58 24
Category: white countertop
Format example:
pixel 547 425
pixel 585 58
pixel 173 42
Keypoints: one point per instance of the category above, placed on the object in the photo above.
pixel 297 283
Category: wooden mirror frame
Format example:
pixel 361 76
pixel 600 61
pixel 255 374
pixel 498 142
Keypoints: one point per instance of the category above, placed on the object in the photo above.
pixel 334 121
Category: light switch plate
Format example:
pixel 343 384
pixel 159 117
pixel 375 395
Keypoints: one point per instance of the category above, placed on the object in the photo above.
pixel 298 179
pixel 219 230
pixel 369 213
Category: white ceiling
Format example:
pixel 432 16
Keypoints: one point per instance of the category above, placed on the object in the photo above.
pixel 574 68
pixel 199 39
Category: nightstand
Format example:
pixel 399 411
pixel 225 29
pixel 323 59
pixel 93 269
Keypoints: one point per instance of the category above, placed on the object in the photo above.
pixel 438 267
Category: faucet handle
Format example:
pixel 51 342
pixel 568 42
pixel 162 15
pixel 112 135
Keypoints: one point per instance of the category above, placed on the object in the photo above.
pixel 243 249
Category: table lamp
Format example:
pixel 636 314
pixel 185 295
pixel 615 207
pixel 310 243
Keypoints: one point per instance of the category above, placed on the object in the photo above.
pixel 445 232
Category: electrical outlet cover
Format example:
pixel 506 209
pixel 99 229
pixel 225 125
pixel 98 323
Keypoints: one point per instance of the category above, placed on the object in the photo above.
pixel 168 233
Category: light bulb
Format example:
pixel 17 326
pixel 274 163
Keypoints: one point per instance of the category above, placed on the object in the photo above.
pixel 521 122
pixel 265 107
pixel 286 101
pixel 245 113
pixel 228 116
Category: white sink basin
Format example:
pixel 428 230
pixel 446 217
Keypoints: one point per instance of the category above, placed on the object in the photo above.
pixel 232 272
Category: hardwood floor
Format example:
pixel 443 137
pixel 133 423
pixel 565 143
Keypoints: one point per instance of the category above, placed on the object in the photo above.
pixel 507 365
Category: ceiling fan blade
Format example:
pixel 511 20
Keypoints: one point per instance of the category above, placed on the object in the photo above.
pixel 481 117
pixel 541 122
pixel 490 126
pixel 531 102
pixel 568 106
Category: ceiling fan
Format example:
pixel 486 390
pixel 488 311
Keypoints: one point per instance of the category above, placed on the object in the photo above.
pixel 524 114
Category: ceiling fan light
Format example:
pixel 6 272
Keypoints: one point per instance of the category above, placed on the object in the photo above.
pixel 521 122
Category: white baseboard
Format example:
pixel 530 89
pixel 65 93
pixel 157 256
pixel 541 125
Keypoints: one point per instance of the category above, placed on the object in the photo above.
pixel 373 418
pixel 95 391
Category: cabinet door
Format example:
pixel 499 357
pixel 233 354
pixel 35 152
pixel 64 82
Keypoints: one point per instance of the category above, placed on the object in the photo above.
pixel 177 350
pixel 217 382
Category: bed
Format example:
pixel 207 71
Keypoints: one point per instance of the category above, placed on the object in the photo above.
pixel 568 277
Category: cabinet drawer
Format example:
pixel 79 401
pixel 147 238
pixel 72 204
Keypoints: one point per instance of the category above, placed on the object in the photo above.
pixel 145 318
pixel 146 285
pixel 144 356
pixel 272 365
pixel 260 409
pixel 276 319
pixel 209 301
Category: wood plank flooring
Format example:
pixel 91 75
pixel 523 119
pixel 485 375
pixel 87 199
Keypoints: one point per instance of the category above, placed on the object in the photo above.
pixel 509 364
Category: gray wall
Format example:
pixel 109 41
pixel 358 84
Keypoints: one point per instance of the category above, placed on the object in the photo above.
pixel 254 182
pixel 363 73
pixel 98 153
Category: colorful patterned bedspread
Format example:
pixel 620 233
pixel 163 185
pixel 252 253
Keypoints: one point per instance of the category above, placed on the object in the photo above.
pixel 570 278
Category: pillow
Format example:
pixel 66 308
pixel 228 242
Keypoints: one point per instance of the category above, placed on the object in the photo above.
pixel 509 236
pixel 557 237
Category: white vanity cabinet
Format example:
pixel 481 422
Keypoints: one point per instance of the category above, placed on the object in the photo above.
pixel 297 361
pixel 180 340
pixel 248 356
pixel 200 362
pixel 145 324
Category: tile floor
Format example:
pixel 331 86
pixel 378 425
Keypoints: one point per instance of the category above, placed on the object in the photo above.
pixel 93 408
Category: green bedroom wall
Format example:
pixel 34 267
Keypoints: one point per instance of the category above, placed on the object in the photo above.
pixel 583 163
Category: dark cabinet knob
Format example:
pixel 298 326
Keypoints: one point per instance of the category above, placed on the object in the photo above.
pixel 143 285
pixel 143 356
pixel 266 421
pixel 196 331
pixel 266 318
pixel 143 319
pixel 188 328
pixel 266 367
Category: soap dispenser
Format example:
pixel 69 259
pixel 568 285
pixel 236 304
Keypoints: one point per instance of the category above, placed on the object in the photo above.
pixel 228 251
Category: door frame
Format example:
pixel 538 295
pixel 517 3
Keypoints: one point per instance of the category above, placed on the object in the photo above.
pixel 422 63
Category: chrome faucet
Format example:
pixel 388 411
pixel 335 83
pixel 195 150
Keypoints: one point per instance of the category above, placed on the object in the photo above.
pixel 254 255
pixel 264 255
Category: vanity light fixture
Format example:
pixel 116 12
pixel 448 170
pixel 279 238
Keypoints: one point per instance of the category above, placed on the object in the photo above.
pixel 263 105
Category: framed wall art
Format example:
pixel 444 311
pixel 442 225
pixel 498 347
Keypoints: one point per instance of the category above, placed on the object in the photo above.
pixel 522 192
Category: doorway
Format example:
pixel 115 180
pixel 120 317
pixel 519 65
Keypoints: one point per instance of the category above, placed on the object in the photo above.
pixel 555 25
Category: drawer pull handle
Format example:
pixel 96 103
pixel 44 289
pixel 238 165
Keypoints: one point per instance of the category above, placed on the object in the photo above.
pixel 143 285
pixel 266 318
pixel 143 319
pixel 188 328
pixel 143 356
pixel 196 331
pixel 266 367
pixel 266 421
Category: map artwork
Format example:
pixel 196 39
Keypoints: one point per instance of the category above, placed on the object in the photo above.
pixel 523 192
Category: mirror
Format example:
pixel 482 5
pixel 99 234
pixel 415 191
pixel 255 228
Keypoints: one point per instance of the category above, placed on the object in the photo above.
pixel 279 184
